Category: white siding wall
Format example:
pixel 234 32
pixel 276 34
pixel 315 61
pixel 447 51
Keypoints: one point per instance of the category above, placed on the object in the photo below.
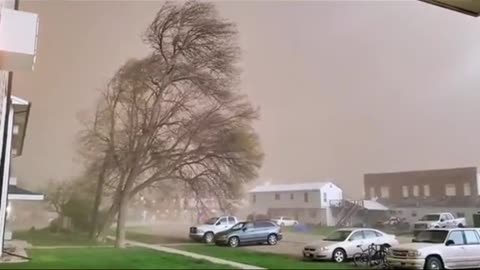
pixel 333 193
pixel 266 200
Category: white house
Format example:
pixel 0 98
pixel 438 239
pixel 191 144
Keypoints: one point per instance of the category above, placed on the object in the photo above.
pixel 306 202
pixel 18 45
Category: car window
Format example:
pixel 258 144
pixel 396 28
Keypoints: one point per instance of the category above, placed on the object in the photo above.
pixel 369 234
pixel 471 237
pixel 263 224
pixel 378 234
pixel 222 221
pixel 457 237
pixel 231 220
pixel 356 236
pixel 448 217
pixel 249 225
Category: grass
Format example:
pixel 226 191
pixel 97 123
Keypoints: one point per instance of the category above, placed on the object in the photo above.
pixel 262 259
pixel 46 238
pixel 109 258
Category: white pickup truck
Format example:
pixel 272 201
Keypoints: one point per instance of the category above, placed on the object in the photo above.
pixel 207 231
pixel 457 248
pixel 439 220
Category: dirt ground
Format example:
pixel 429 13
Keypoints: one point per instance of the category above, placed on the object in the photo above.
pixel 292 243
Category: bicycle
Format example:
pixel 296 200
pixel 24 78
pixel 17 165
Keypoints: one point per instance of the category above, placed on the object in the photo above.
pixel 373 256
pixel 363 258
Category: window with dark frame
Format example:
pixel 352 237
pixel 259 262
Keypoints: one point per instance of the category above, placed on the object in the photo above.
pixel 277 196
pixel 305 196
pixel 291 196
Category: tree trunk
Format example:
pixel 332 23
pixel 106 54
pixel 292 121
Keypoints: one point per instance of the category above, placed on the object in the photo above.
pixel 106 224
pixel 98 199
pixel 122 218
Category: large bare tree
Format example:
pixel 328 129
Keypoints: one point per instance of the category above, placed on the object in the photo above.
pixel 177 114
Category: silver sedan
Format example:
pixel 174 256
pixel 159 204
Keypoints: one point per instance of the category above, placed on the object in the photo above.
pixel 344 243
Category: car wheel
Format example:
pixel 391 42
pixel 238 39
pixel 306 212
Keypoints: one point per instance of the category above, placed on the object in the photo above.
pixel 272 239
pixel 234 241
pixel 339 255
pixel 433 263
pixel 208 237
pixel 460 225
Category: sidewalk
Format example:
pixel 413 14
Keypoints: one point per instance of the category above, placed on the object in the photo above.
pixel 191 255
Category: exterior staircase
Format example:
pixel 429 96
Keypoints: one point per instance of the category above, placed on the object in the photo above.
pixel 349 208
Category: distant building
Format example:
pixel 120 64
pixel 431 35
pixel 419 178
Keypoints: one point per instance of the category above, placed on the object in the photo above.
pixel 445 187
pixel 307 202
pixel 415 193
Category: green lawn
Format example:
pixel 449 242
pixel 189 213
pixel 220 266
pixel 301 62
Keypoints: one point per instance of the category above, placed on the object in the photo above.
pixel 109 258
pixel 46 238
pixel 262 259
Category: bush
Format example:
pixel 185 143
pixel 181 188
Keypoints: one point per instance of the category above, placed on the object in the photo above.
pixel 78 210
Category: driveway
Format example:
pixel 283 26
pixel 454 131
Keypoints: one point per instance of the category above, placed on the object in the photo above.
pixel 176 234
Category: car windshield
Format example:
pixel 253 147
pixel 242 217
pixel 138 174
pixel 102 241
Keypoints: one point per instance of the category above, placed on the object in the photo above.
pixel 338 236
pixel 239 226
pixel 436 237
pixel 430 218
pixel 211 221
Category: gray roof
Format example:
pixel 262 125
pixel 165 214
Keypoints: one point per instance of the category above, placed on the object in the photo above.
pixel 290 187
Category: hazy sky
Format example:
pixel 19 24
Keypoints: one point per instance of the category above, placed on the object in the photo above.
pixel 345 88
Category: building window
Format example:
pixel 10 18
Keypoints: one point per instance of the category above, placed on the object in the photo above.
pixel 450 190
pixel 385 192
pixel 416 191
pixel 313 213
pixel 426 190
pixel 291 196
pixel 405 191
pixel 277 196
pixel 254 198
pixel 414 214
pixel 305 197
pixel 324 197
pixel 372 192
pixel 466 189
pixel 460 214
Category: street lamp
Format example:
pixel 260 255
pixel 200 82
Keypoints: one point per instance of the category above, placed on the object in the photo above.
pixel 468 7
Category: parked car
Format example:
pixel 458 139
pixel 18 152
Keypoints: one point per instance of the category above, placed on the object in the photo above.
pixel 248 232
pixel 439 220
pixel 285 221
pixel 457 248
pixel 207 231
pixel 344 243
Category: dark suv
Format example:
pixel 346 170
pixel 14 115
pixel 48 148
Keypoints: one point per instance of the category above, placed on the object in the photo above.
pixel 249 232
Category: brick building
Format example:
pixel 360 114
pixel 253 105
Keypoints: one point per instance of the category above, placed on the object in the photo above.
pixel 415 193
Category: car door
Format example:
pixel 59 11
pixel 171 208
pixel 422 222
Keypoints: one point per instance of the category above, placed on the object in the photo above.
pixel 231 222
pixel 472 248
pixel 370 237
pixel 222 225
pixel 355 243
pixel 455 254
pixel 247 234
pixel 449 220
